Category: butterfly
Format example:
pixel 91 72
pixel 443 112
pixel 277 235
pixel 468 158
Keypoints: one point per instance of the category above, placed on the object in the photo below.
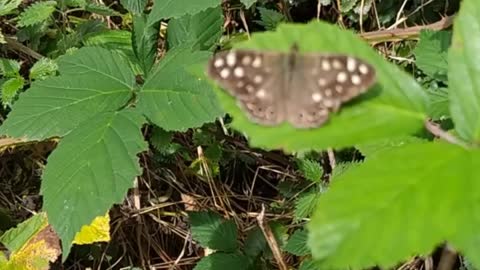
pixel 301 89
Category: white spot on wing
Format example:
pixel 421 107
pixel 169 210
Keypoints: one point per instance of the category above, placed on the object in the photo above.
pixel 339 89
pixel 261 93
pixel 246 60
pixel 363 69
pixel 224 73
pixel 317 97
pixel 336 64
pixel 356 79
pixel 231 59
pixel 341 77
pixel 326 65
pixel 219 62
pixel 351 64
pixel 250 88
pixel 257 62
pixel 257 79
pixel 239 72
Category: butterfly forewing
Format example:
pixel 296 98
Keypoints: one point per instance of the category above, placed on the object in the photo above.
pixel 255 79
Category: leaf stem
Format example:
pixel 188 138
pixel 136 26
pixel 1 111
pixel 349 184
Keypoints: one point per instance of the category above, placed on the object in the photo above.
pixel 437 131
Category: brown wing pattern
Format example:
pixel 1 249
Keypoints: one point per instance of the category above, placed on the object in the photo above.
pixel 255 79
pixel 322 83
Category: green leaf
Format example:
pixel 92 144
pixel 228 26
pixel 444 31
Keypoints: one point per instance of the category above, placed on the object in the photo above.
pixel 136 7
pixel 7 6
pixel 161 139
pixel 221 261
pixel 439 103
pixel 308 265
pixel 212 231
pixel 374 148
pixel 310 169
pixel 36 13
pixel 10 89
pixel 101 9
pixel 255 244
pixel 305 204
pixel 93 80
pixel 463 72
pixel 145 38
pixel 91 169
pixel 166 9
pixel 398 196
pixel 347 5
pixel 17 237
pixel 43 69
pixel 431 53
pixel 395 106
pixel 9 67
pixel 297 244
pixel 270 18
pixel 248 3
pixel 173 98
pixel 203 30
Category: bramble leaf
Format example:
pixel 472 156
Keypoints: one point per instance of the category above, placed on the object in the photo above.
pixel 91 169
pixel 463 70
pixel 431 53
pixel 202 30
pixel 93 80
pixel 212 231
pixel 175 99
pixel 390 197
pixel 166 9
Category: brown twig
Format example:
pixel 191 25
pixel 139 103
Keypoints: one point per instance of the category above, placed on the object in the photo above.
pixel 272 242
pixel 406 33
pixel 17 46
pixel 442 134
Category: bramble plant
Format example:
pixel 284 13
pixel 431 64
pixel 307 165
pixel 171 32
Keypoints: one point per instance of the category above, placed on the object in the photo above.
pixel 414 191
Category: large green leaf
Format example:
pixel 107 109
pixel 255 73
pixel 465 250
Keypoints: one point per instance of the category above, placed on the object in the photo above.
pixel 400 202
pixel 93 80
pixel 173 98
pixel 463 72
pixel 202 30
pixel 165 9
pixel 144 39
pixel 91 169
pixel 395 106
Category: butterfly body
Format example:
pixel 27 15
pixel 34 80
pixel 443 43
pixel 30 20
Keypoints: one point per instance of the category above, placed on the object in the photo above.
pixel 302 89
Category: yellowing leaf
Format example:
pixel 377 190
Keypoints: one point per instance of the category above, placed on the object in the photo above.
pixel 98 231
pixel 33 245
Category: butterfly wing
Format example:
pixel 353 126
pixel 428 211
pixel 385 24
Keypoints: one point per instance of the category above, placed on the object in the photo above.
pixel 255 80
pixel 321 83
